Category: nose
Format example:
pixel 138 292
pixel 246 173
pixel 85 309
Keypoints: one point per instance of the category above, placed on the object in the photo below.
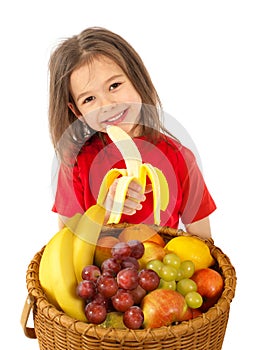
pixel 107 103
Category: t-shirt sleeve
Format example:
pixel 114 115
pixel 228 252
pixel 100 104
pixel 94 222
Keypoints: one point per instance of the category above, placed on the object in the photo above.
pixel 197 203
pixel 69 191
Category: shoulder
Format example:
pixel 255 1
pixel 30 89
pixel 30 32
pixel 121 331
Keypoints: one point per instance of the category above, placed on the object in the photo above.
pixel 175 149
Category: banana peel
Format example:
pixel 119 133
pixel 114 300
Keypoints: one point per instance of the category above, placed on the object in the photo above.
pixel 135 170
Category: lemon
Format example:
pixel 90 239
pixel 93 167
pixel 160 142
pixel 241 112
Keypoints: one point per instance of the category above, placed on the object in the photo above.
pixel 191 248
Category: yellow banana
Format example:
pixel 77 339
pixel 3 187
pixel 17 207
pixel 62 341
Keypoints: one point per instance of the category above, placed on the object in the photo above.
pixel 44 271
pixel 135 170
pixel 85 239
pixel 62 275
pixel 45 268
pixel 64 257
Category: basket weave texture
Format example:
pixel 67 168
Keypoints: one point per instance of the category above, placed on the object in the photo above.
pixel 56 330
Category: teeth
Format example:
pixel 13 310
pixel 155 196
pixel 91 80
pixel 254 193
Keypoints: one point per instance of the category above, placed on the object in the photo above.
pixel 115 118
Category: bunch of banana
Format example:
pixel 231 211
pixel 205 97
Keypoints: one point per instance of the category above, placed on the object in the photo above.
pixel 135 170
pixel 73 247
pixel 64 257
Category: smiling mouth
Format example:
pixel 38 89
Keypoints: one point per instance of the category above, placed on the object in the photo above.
pixel 117 118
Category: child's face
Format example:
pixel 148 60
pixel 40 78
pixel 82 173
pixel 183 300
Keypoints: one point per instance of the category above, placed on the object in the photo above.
pixel 104 95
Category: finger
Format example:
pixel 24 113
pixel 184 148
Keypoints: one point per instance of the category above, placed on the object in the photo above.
pixel 131 204
pixel 137 196
pixel 135 186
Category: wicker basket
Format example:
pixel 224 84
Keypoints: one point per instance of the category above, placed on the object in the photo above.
pixel 56 330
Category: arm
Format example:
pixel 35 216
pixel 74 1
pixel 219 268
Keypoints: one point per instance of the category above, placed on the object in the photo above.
pixel 61 221
pixel 131 204
pixel 200 228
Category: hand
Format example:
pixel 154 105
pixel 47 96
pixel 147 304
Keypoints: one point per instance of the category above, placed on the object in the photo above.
pixel 132 202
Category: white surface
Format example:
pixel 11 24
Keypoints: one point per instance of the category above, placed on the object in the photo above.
pixel 201 56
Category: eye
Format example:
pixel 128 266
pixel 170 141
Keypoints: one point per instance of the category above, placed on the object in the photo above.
pixel 114 86
pixel 89 99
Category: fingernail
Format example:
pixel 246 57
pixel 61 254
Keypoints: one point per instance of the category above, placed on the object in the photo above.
pixel 139 207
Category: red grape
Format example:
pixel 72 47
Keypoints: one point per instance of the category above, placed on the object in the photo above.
pixel 100 299
pixel 121 250
pixel 95 313
pixel 148 279
pixel 86 289
pixel 127 278
pixel 137 248
pixel 133 317
pixel 110 266
pixel 138 294
pixel 107 286
pixel 130 261
pixel 122 300
pixel 91 272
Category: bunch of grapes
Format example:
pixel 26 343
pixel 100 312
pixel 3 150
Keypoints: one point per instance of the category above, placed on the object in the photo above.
pixel 118 285
pixel 176 275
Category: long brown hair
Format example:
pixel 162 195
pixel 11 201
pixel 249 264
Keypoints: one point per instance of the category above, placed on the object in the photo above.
pixel 81 49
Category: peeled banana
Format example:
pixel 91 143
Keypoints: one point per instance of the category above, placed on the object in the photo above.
pixel 128 149
pixel 135 170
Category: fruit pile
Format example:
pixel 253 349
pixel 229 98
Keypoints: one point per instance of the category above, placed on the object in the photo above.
pixel 147 287
pixel 145 283
pixel 176 275
pixel 118 285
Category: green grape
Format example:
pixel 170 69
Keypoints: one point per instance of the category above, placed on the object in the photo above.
pixel 167 285
pixel 168 273
pixel 188 268
pixel 172 259
pixel 155 265
pixel 194 300
pixel 185 286
pixel 180 274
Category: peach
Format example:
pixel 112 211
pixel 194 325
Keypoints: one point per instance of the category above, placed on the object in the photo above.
pixel 152 251
pixel 103 249
pixel 141 232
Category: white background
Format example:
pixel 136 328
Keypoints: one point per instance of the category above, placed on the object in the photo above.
pixel 201 56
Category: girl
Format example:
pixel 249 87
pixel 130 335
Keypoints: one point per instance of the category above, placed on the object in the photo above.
pixel 98 79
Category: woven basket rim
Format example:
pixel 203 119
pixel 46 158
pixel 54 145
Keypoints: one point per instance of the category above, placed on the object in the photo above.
pixel 183 328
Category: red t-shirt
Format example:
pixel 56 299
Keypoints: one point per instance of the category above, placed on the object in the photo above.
pixel 78 185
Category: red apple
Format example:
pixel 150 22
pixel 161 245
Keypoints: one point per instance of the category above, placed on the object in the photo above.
pixel 162 307
pixel 191 313
pixel 196 313
pixel 209 285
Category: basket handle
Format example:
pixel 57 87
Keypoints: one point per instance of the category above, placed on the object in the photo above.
pixel 29 332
